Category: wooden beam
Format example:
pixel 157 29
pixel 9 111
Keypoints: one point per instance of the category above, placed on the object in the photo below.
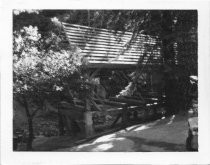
pixel 128 101
pixel 116 120
pixel 124 117
pixel 112 103
pixel 88 119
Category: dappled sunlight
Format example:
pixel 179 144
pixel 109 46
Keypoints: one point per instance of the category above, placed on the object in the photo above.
pixel 103 144
pixel 100 143
pixel 146 126
pixel 84 145
pixel 130 128
pixel 141 128
pixel 119 139
pixel 103 147
pixel 154 136
pixel 122 131
pixel 171 120
pixel 104 138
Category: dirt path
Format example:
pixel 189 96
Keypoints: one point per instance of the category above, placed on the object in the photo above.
pixel 162 135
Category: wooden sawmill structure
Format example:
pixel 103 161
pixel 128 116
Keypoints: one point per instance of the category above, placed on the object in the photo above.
pixel 103 49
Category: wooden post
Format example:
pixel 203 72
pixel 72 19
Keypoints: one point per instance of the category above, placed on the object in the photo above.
pixel 124 116
pixel 68 125
pixel 88 119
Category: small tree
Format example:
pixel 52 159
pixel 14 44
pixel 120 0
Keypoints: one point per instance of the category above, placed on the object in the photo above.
pixel 37 71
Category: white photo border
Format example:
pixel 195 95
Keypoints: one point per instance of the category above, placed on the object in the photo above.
pixel 8 157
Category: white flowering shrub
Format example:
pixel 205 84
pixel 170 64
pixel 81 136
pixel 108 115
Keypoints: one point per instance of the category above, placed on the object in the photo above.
pixel 33 65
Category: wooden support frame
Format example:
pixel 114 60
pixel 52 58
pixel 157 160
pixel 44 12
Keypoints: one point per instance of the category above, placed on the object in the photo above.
pixel 102 49
pixel 128 101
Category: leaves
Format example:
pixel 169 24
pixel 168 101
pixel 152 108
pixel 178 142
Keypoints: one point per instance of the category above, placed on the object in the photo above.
pixel 40 59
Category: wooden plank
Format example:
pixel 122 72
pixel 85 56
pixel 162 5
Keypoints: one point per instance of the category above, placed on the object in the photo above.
pixel 112 52
pixel 111 59
pixel 119 62
pixel 107 54
pixel 113 56
pixel 87 34
pixel 109 37
pixel 119 65
pixel 75 32
pixel 96 29
pixel 125 117
pixel 112 103
pixel 112 62
pixel 110 66
pixel 105 31
pixel 135 98
pixel 112 47
pixel 99 59
pixel 155 54
pixel 100 32
pixel 120 45
pixel 116 120
pixel 116 47
pixel 117 52
pixel 82 43
pixel 119 58
pixel 104 53
pixel 96 39
pixel 128 101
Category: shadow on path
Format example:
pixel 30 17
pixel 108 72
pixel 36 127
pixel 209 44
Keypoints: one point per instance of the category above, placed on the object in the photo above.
pixel 144 145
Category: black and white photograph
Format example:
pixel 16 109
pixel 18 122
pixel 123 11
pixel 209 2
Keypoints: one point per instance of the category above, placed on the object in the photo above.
pixel 105 80
pixel 92 80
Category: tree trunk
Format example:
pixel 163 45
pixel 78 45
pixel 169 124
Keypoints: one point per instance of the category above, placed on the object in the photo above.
pixel 88 124
pixel 31 134
pixel 88 119
pixel 30 126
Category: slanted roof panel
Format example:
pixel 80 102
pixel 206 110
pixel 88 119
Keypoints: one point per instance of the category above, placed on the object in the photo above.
pixel 109 47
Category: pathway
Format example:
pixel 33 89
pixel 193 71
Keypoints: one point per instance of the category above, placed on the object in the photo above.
pixel 165 135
